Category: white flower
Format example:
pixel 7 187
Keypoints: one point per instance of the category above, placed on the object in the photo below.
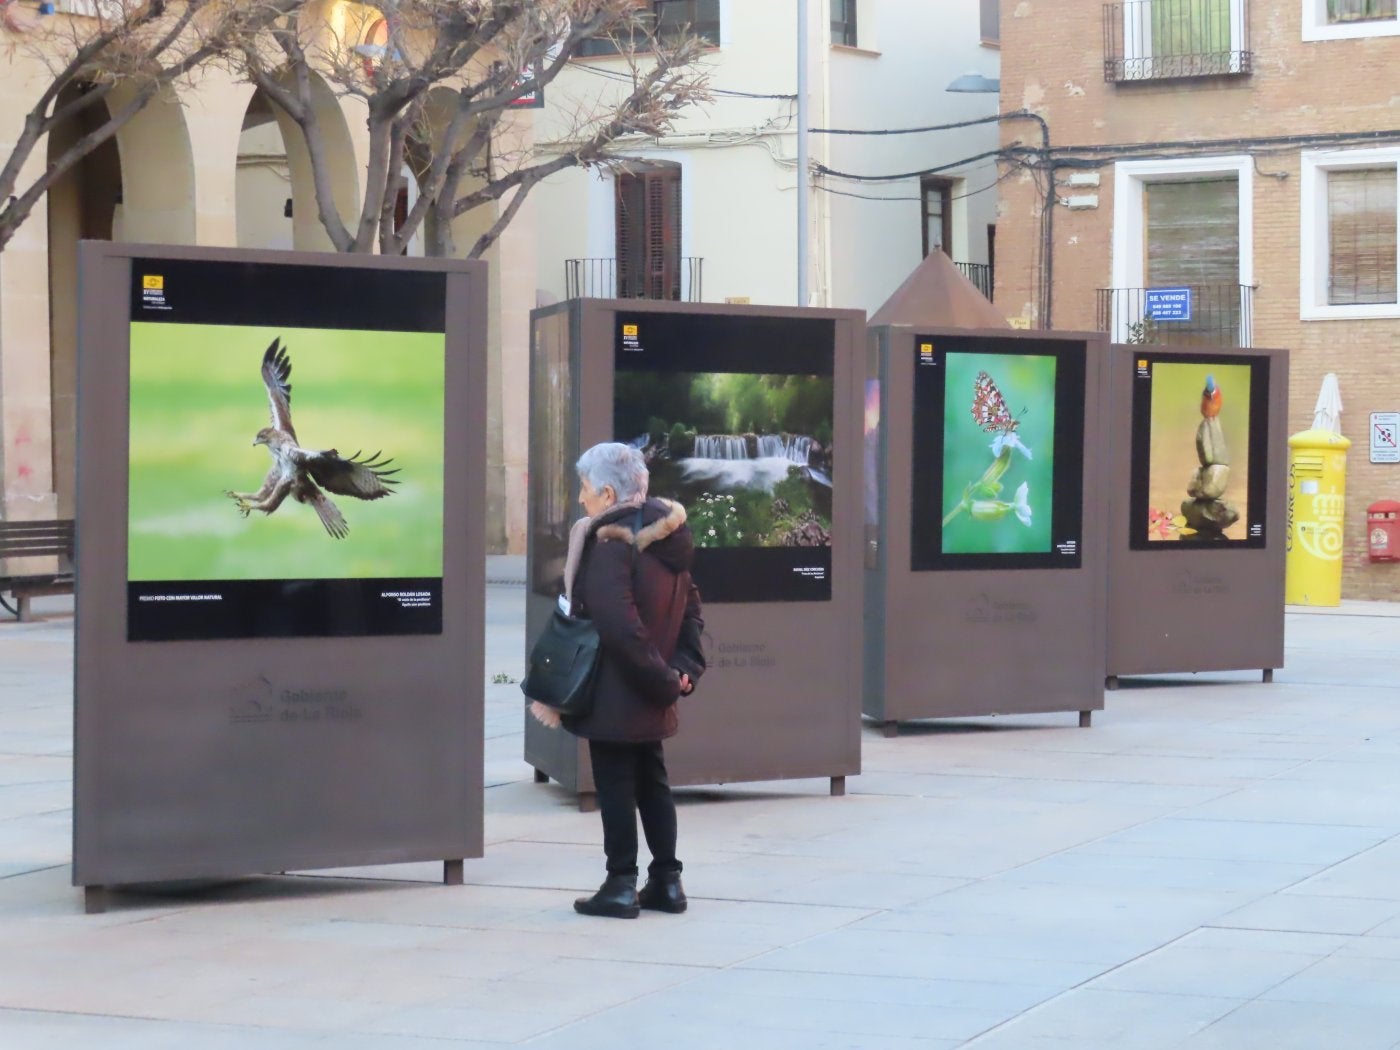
pixel 712 532
pixel 1010 440
pixel 1022 505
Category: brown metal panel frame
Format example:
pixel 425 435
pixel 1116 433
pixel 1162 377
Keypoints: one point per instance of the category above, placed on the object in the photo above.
pixel 798 715
pixel 975 642
pixel 169 782
pixel 1194 609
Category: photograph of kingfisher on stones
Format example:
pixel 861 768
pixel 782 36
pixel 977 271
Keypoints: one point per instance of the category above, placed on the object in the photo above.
pixel 1198 474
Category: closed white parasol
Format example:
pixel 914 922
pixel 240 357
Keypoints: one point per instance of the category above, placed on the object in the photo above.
pixel 1327 413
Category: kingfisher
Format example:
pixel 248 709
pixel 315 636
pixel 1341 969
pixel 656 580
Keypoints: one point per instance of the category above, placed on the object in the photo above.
pixel 1210 399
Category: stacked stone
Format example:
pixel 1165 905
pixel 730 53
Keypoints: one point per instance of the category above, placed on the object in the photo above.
pixel 1206 511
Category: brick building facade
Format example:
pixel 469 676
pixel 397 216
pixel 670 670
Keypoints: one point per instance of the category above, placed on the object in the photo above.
pixel 1247 149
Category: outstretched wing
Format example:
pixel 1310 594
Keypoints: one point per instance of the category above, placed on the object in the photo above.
pixel 362 478
pixel 276 371
pixel 328 512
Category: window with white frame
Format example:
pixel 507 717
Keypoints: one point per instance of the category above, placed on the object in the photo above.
pixel 1165 39
pixel 1348 19
pixel 1183 224
pixel 1349 263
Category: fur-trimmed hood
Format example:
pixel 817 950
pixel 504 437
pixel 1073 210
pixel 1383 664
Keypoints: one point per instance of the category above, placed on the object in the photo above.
pixel 662 534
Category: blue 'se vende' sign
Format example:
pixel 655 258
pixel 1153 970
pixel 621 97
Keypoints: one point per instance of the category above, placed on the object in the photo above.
pixel 1169 304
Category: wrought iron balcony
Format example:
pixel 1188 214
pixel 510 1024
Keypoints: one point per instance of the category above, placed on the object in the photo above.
pixel 1175 39
pixel 1220 315
pixel 979 274
pixel 599 279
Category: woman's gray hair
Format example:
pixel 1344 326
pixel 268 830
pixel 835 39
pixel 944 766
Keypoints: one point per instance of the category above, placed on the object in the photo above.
pixel 621 466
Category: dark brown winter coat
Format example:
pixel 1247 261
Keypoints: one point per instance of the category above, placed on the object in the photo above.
pixel 648 621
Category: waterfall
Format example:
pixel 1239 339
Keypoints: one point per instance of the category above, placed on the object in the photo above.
pixel 794 448
pixel 720 446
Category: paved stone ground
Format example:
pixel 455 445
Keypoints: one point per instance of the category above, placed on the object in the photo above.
pixel 1213 865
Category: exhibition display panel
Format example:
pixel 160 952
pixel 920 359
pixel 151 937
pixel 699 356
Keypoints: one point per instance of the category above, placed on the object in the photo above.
pixel 749 417
pixel 984 529
pixel 1197 481
pixel 280 599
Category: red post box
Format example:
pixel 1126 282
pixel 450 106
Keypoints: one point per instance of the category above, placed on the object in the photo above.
pixel 1383 530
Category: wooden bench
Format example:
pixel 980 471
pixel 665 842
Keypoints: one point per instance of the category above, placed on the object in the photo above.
pixel 35 539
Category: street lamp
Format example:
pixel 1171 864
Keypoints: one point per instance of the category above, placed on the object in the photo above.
pixel 975 83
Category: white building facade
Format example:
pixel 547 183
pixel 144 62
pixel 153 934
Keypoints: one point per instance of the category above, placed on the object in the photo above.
pixel 711 212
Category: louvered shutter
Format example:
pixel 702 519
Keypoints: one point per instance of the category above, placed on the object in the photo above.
pixel 631 220
pixel 1361 241
pixel 649 234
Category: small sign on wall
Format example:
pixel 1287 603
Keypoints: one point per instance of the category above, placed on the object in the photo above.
pixel 1385 437
pixel 1169 304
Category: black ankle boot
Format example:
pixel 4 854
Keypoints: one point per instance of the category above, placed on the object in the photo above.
pixel 616 899
pixel 663 893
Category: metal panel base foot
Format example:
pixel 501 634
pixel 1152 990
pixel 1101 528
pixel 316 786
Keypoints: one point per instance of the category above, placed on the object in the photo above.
pixel 890 729
pixel 1086 719
pixel 452 872
pixel 1268 675
pixel 587 801
pixel 94 899
pixel 541 777
pixel 1111 682
pixel 838 786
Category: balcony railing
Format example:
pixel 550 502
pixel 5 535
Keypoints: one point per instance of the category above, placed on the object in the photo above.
pixel 1220 315
pixel 1175 39
pixel 979 274
pixel 597 279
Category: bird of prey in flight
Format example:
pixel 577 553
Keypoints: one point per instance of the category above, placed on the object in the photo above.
pixel 297 471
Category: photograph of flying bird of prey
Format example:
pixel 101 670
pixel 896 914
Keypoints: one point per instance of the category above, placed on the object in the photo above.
pixel 302 473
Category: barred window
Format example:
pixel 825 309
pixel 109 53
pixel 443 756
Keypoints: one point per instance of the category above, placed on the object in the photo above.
pixel 1361 238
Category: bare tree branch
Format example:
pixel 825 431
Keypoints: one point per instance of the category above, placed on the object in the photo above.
pixel 145 47
pixel 475 53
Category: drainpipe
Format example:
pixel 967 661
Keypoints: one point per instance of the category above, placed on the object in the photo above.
pixel 803 173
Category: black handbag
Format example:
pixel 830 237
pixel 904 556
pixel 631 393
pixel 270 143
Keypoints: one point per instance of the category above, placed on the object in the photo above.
pixel 564 660
pixel 563 665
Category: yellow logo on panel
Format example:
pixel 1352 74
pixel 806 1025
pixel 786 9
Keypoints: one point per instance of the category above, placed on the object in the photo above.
pixel 153 282
pixel 629 329
pixel 1142 362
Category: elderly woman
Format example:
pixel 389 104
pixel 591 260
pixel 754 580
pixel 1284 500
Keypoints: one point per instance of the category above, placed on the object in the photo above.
pixel 629 571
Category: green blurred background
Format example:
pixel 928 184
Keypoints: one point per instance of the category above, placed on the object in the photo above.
pixel 1176 413
pixel 1027 384
pixel 197 402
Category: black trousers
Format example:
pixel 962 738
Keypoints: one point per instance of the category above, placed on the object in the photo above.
pixel 630 780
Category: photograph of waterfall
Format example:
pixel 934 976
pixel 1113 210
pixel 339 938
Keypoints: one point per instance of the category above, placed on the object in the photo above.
pixel 748 455
pixel 1199 430
pixel 998 456
pixel 734 415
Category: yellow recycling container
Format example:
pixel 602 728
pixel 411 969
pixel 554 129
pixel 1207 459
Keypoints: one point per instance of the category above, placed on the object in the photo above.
pixel 1317 486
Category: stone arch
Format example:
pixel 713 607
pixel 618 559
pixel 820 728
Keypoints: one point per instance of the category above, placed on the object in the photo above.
pixel 136 186
pixel 275 181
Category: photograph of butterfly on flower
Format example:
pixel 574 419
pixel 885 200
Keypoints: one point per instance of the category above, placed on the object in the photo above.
pixel 998 453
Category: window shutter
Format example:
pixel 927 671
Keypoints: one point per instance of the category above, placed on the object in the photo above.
pixel 1193 232
pixel 1361 248
pixel 1193 239
pixel 631 223
pixel 649 234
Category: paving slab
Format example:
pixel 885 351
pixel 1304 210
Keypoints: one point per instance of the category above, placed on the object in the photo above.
pixel 1212 864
